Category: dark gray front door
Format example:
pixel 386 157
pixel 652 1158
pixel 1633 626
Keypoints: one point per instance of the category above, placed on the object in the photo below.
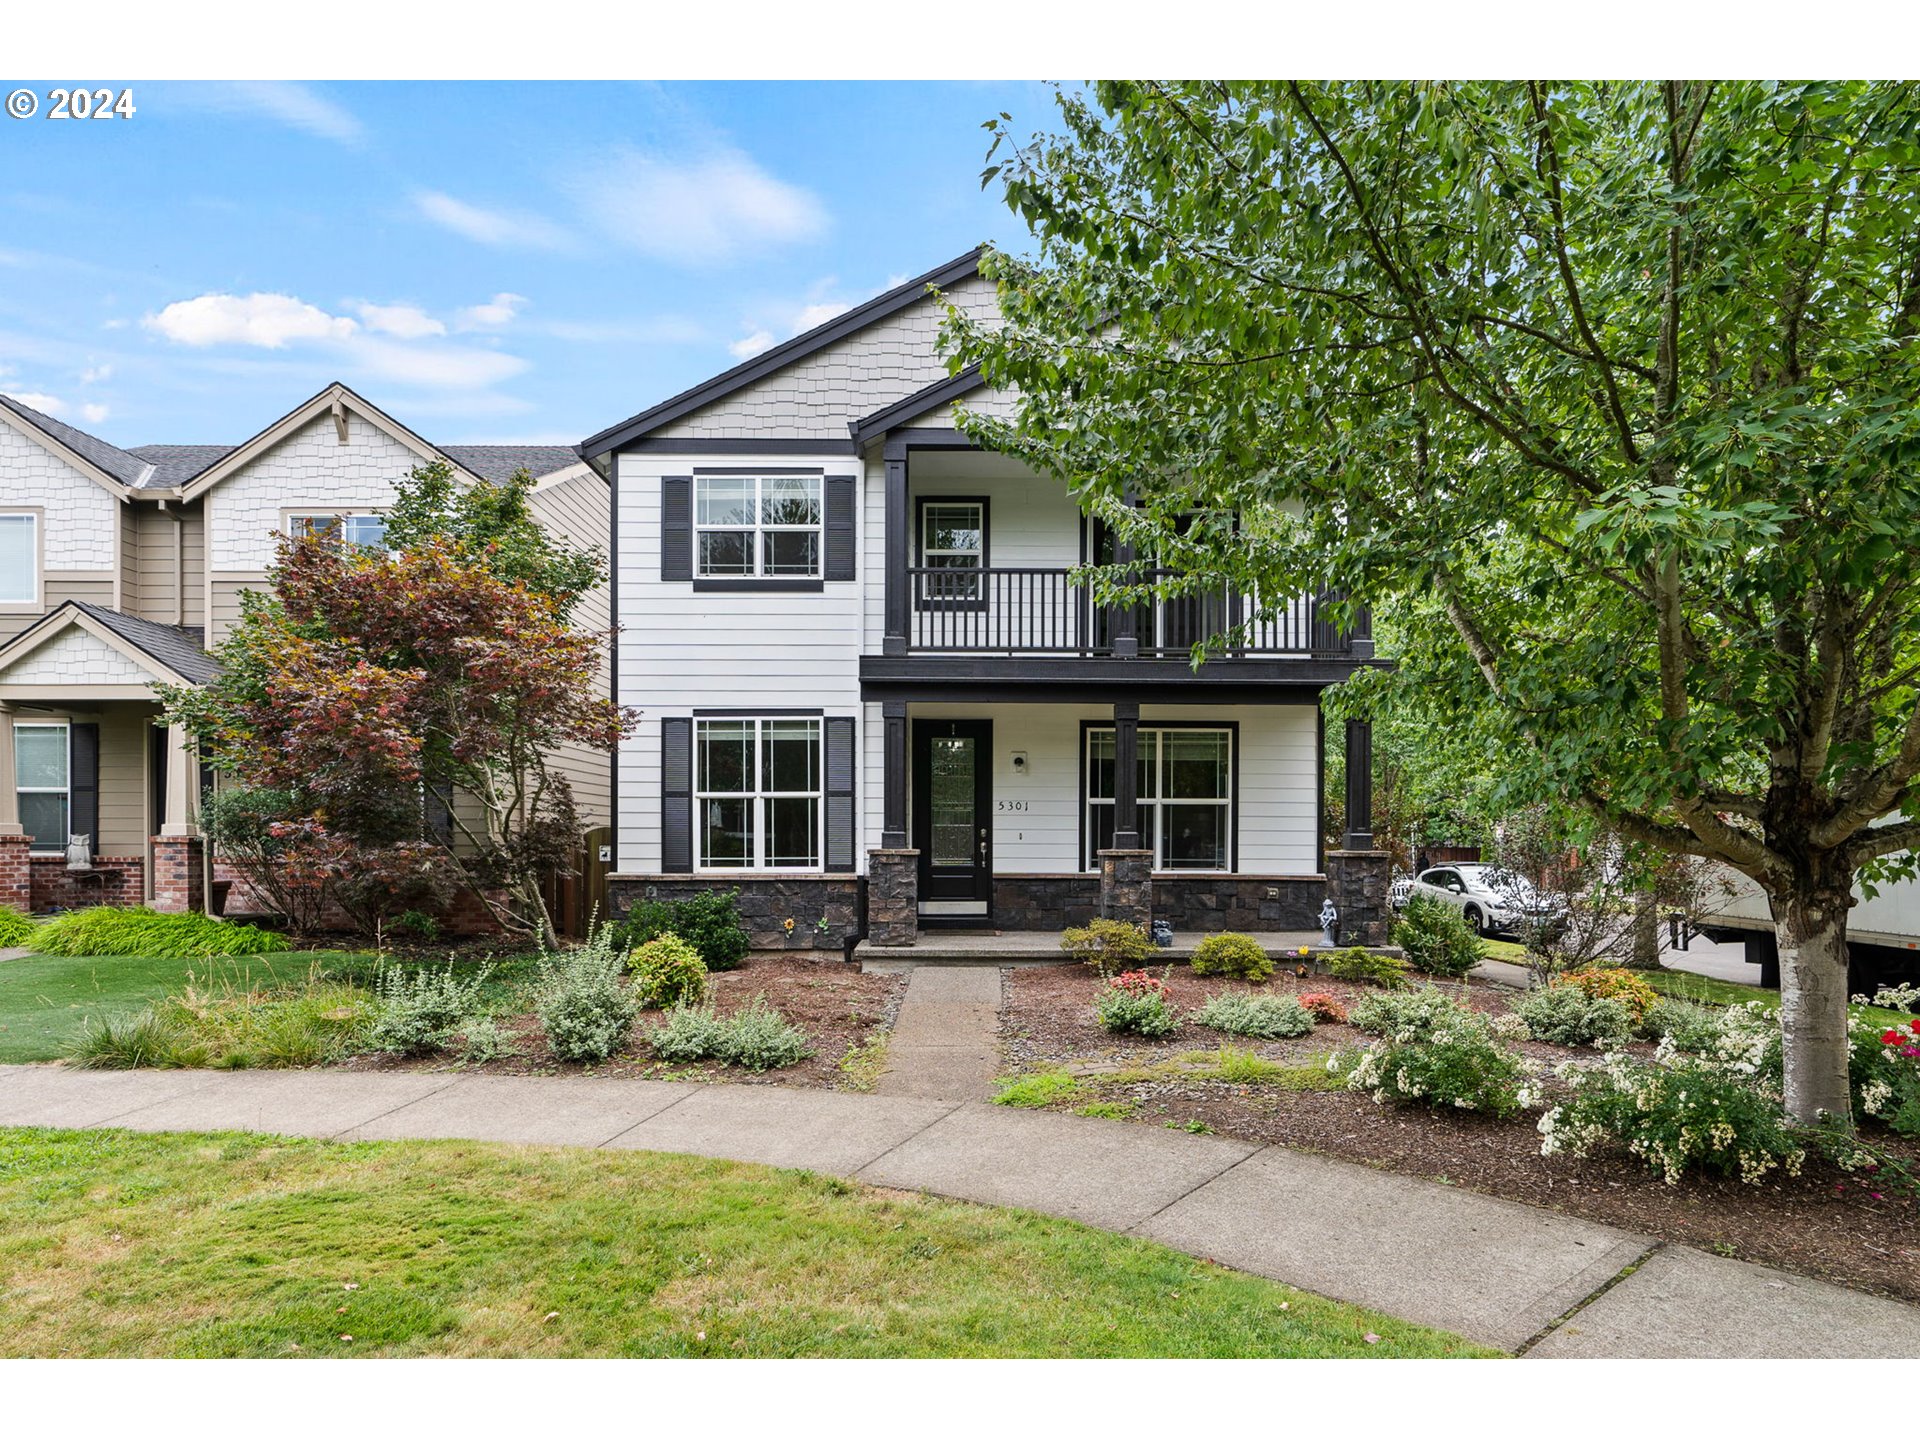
pixel 953 808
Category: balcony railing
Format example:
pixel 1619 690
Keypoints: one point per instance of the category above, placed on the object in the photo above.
pixel 1021 610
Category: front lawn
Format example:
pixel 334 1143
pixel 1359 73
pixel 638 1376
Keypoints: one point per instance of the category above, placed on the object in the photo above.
pixel 238 1245
pixel 44 999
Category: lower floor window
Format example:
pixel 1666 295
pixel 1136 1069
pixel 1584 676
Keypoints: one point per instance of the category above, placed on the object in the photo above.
pixel 1184 785
pixel 756 796
pixel 43 781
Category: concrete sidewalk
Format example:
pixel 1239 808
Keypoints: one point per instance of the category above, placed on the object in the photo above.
pixel 1497 1272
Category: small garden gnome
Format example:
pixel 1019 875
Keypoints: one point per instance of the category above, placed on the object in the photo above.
pixel 1329 917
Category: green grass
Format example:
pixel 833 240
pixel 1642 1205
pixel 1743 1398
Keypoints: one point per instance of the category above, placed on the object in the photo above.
pixel 45 999
pixel 234 1245
pixel 1705 990
pixel 1036 1091
pixel 137 930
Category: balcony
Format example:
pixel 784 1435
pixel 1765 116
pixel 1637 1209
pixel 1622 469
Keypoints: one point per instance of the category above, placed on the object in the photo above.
pixel 1033 611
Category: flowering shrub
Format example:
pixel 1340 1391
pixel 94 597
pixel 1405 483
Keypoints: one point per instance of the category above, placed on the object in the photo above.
pixel 1885 1070
pixel 1567 1015
pixel 1137 1008
pixel 1141 982
pixel 1437 938
pixel 1264 1017
pixel 1610 982
pixel 1456 1064
pixel 1324 1008
pixel 1232 954
pixel 1407 1015
pixel 1688 1113
pixel 1691 1027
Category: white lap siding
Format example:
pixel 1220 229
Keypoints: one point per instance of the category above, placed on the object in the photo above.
pixel 682 651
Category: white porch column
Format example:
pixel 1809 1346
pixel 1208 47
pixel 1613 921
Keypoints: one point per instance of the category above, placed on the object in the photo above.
pixel 9 793
pixel 183 784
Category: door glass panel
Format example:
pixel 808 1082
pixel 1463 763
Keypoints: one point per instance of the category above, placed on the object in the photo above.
pixel 950 799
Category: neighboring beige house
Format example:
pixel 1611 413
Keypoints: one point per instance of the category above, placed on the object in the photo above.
pixel 123 568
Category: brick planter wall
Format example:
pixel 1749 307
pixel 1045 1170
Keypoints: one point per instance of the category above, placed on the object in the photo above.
pixel 116 880
pixel 177 861
pixel 16 872
pixel 765 905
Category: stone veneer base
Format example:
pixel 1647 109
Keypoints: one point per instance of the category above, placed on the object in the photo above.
pixel 766 904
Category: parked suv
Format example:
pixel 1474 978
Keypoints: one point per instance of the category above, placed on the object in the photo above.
pixel 1495 900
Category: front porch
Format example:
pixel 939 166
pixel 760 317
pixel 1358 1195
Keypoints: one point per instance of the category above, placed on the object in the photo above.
pixel 1042 947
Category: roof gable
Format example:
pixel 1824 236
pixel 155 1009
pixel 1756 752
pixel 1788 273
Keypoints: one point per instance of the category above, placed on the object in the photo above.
pixel 106 465
pixel 81 644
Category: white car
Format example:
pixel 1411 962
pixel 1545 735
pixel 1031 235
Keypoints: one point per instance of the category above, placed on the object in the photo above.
pixel 1493 898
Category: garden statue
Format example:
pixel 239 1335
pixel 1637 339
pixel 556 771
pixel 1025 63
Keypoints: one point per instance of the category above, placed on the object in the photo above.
pixel 1329 917
pixel 1163 933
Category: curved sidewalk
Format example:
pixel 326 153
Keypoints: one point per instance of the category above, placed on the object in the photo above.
pixel 1495 1271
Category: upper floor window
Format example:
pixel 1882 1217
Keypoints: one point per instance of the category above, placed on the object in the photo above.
pixel 757 526
pixel 362 532
pixel 953 538
pixel 43 780
pixel 20 559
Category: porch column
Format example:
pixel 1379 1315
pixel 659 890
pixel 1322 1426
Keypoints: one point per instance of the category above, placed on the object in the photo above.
pixel 1126 871
pixel 1359 785
pixel 179 857
pixel 1125 624
pixel 893 871
pixel 16 868
pixel 1359 876
pixel 899 549
pixel 893 779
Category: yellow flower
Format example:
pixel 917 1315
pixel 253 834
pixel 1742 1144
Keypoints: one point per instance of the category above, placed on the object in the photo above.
pixel 789 924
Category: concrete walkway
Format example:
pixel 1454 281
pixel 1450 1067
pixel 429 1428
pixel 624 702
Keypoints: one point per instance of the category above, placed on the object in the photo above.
pixel 945 1043
pixel 1494 1271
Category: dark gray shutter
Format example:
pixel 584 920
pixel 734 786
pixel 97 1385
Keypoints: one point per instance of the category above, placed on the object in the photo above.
pixel 676 796
pixel 840 502
pixel 839 772
pixel 676 527
pixel 437 812
pixel 83 783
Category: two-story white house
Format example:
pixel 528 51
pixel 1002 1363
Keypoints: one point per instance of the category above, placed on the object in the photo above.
pixel 123 568
pixel 874 701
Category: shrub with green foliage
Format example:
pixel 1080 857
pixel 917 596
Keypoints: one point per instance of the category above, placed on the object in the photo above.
pixel 1568 1015
pixel 1457 1065
pixel 1406 1014
pixel 1437 938
pixel 1362 966
pixel 421 1006
pixel 688 1033
pixel 1232 954
pixel 710 923
pixel 482 1039
pixel 1690 1027
pixel 313 1023
pixel 1613 982
pixel 756 1038
pixel 1136 1004
pixel 1108 944
pixel 667 972
pixel 136 930
pixel 1263 1017
pixel 583 1001
pixel 15 928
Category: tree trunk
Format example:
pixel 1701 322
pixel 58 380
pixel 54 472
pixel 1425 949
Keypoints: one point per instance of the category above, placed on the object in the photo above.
pixel 1810 921
pixel 1644 953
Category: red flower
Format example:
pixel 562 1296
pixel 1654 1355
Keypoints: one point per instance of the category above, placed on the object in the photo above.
pixel 1892 1037
pixel 1914 1025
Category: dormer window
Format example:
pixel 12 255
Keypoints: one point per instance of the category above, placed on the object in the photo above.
pixel 361 532
pixel 757 526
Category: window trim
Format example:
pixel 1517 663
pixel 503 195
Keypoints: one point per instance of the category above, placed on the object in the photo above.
pixel 340 512
pixel 758 580
pixel 1231 728
pixel 66 728
pixel 697 796
pixel 37 602
pixel 924 601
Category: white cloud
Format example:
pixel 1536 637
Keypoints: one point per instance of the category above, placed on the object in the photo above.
pixel 812 315
pixel 493 314
pixel 95 374
pixel 45 404
pixel 503 228
pixel 437 367
pixel 93 414
pixel 699 212
pixel 298 106
pixel 408 322
pixel 269 321
pixel 748 346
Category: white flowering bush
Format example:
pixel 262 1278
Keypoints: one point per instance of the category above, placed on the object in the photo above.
pixel 1406 1015
pixel 1456 1064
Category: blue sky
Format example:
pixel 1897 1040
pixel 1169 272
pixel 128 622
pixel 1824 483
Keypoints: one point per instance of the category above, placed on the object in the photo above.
pixel 509 262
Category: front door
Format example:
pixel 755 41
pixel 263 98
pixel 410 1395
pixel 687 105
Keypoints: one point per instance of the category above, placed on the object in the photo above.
pixel 953 813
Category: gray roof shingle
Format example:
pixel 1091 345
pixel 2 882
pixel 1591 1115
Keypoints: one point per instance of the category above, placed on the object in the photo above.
pixel 177 647
pixel 177 464
pixel 498 462
pixel 127 468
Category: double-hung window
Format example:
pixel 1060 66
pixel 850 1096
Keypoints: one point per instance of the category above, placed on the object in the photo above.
pixel 757 794
pixel 757 526
pixel 19 560
pixel 43 780
pixel 362 532
pixel 1184 787
pixel 953 550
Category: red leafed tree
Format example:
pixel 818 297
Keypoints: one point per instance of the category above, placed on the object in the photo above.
pixel 370 688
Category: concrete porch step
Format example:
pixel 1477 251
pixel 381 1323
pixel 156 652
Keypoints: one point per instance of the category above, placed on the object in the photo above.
pixel 1042 947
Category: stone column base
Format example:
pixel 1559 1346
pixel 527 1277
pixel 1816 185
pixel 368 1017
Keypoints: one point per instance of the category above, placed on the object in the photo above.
pixel 16 873
pixel 1126 886
pixel 177 862
pixel 1358 882
pixel 893 897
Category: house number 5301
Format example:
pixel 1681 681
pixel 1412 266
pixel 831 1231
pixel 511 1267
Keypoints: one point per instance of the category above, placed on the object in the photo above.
pixel 1008 807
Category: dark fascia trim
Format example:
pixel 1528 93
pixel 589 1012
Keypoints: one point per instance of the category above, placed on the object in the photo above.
pixel 67 608
pixel 929 397
pixel 744 586
pixel 1071 676
pixel 733 446
pixel 758 470
pixel 617 437
pixel 759 712
pixel 902 443
pixel 997 692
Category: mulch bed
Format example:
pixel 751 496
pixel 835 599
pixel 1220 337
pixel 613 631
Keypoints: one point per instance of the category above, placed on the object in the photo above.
pixel 1795 1224
pixel 838 1007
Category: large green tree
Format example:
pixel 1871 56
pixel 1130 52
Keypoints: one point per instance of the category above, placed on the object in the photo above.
pixel 1616 381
